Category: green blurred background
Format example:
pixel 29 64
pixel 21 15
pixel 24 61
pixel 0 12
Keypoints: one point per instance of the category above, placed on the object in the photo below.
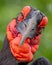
pixel 11 8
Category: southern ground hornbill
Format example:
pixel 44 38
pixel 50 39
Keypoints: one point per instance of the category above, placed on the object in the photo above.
pixel 23 37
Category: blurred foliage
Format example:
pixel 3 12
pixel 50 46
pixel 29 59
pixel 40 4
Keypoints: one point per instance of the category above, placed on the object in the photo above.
pixel 10 9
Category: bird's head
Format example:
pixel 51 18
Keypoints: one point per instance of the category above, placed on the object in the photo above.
pixel 31 22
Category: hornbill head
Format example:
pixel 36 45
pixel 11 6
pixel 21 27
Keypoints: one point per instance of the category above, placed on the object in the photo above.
pixel 30 22
pixel 23 36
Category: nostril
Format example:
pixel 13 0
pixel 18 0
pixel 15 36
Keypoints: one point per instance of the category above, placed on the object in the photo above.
pixel 25 24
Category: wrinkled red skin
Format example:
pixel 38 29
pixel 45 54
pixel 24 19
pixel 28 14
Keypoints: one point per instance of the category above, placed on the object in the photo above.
pixel 25 52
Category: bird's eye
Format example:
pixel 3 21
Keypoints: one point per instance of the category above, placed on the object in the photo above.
pixel 32 29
